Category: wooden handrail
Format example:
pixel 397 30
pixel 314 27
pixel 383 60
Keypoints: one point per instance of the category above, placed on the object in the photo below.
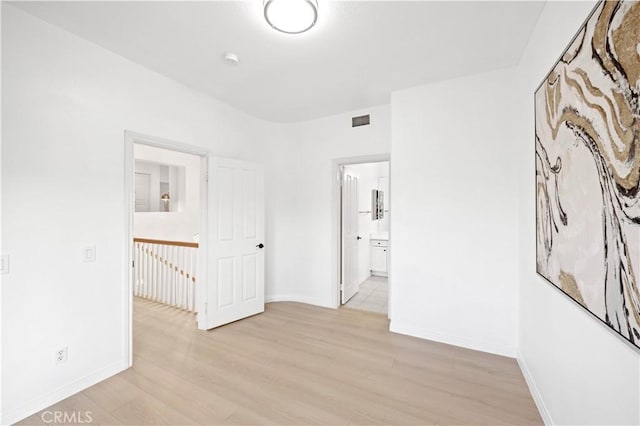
pixel 166 243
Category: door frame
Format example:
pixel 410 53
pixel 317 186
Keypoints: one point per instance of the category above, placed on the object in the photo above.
pixel 130 139
pixel 336 227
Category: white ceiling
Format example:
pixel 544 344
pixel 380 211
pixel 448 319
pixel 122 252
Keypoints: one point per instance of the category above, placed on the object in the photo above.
pixel 355 56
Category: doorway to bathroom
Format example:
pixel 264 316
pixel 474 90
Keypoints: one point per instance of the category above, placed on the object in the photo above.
pixel 364 252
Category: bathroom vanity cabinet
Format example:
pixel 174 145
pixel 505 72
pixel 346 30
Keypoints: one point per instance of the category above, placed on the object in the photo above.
pixel 379 257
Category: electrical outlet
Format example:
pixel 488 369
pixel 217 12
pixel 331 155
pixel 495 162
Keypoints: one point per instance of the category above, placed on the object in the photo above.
pixel 61 355
pixel 89 254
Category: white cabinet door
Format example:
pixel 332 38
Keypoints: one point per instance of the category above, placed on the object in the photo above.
pixel 379 259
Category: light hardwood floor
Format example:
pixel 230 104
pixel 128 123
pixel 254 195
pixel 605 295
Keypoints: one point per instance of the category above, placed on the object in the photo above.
pixel 300 365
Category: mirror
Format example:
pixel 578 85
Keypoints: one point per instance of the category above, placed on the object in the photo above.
pixel 377 204
pixel 158 187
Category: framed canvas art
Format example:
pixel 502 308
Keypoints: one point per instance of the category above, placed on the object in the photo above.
pixel 587 162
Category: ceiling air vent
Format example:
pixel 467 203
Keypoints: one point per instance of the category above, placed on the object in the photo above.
pixel 363 120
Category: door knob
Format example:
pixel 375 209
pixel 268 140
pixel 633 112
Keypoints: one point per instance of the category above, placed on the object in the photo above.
pixel 260 245
pixel 359 237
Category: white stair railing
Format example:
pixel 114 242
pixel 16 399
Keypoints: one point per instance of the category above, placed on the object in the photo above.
pixel 165 272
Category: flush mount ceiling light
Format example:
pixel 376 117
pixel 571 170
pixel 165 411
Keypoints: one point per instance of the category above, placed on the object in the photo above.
pixel 291 16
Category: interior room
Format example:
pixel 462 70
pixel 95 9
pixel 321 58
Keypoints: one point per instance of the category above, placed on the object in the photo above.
pixel 371 255
pixel 505 192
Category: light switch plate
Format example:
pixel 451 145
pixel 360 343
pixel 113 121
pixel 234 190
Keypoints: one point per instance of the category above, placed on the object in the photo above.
pixel 89 254
pixel 4 264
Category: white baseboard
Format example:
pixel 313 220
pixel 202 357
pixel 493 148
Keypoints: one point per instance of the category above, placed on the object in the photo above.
pixel 465 342
pixel 15 414
pixel 535 393
pixel 296 298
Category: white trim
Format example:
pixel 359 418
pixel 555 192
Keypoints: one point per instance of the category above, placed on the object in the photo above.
pixel 464 342
pixel 297 299
pixel 203 247
pixel 335 219
pixel 127 279
pixel 535 393
pixel 15 414
pixel 157 142
pixel 131 138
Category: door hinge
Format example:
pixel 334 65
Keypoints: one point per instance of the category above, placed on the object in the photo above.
pixel 133 263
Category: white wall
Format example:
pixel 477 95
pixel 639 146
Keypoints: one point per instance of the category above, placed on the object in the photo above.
pixel 181 225
pixel 1 221
pixel 65 106
pixel 368 175
pixel 580 372
pixel 453 253
pixel 299 200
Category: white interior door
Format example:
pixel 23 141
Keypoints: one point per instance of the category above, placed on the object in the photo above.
pixel 236 235
pixel 349 237
pixel 142 192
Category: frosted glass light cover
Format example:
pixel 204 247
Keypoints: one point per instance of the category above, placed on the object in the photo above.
pixel 291 16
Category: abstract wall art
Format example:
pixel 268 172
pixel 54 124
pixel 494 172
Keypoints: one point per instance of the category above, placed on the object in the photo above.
pixel 587 162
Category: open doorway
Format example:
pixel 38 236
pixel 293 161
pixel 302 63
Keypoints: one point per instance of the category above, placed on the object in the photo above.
pixel 166 216
pixel 223 279
pixel 166 226
pixel 364 210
